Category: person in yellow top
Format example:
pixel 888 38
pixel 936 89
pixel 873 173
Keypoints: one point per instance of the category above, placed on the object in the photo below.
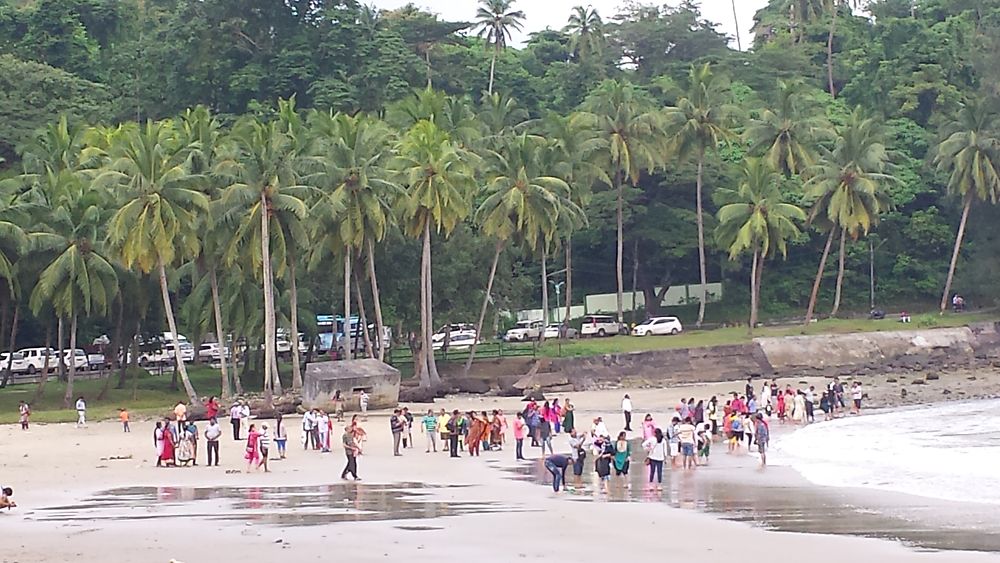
pixel 442 420
pixel 123 417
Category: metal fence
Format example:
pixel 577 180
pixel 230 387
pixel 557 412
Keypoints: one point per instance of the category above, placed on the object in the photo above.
pixel 488 350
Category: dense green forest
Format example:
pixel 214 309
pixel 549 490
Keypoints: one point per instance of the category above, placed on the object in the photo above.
pixel 245 165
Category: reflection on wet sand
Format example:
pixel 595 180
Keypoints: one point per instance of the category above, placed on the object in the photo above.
pixel 279 506
pixel 746 495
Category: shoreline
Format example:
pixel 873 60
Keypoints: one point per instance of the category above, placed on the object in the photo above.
pixel 56 465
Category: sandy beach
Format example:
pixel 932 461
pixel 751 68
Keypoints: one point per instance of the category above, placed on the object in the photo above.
pixel 78 502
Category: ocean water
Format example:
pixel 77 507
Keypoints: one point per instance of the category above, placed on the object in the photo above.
pixel 949 451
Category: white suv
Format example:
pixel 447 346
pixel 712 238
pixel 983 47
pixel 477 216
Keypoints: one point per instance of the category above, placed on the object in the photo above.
pixel 78 358
pixel 599 325
pixel 659 325
pixel 35 359
pixel 18 365
pixel 525 331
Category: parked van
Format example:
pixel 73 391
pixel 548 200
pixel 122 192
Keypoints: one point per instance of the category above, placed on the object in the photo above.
pixel 35 359
pixel 599 325
pixel 18 365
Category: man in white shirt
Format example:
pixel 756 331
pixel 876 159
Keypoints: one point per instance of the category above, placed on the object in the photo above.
pixel 627 410
pixel 81 412
pixel 363 402
pixel 212 435
pixel 234 419
pixel 308 423
pixel 599 429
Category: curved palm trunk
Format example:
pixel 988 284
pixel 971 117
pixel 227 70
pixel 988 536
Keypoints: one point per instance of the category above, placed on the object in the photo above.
pixel 220 335
pixel 486 303
pixel 621 251
pixel 829 51
pixel 363 317
pixel 954 254
pixel 569 285
pixel 348 332
pixel 493 66
pixel 840 274
pixel 431 360
pixel 425 350
pixel 545 297
pixel 68 397
pixel 12 347
pixel 701 239
pixel 753 290
pixel 376 303
pixel 819 276
pixel 44 378
pixel 269 314
pixel 172 325
pixel 294 302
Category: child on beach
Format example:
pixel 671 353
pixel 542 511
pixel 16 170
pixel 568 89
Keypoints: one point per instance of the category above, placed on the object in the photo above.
pixel 5 500
pixel 736 431
pixel 704 443
pixel 123 417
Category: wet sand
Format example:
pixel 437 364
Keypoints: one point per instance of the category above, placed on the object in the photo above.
pixel 74 505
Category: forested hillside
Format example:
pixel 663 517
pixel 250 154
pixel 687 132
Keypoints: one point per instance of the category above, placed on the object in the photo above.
pixel 852 132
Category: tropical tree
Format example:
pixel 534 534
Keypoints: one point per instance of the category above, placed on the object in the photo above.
pixel 266 204
pixel 701 121
pixel 495 20
pixel 156 223
pixel 786 137
pixel 757 218
pixel 632 140
pixel 361 189
pixel 521 201
pixel 586 30
pixel 970 154
pixel 848 191
pixel 438 177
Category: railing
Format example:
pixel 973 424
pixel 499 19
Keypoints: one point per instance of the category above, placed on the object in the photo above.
pixel 485 351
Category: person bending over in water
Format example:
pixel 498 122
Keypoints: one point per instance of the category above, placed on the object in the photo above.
pixel 5 500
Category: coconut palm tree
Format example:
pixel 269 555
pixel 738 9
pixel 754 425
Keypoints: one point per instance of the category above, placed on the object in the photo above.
pixel 756 218
pixel 848 192
pixel 702 120
pixel 633 140
pixel 521 201
pixel 158 215
pixel 495 20
pixel 78 278
pixel 438 177
pixel 267 206
pixel 360 188
pixel 786 137
pixel 586 30
pixel 970 154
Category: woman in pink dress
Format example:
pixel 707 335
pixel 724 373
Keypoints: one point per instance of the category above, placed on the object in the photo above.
pixel 556 415
pixel 648 427
pixel 253 448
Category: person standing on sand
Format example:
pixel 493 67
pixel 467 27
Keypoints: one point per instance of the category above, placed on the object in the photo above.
pixel 673 440
pixel 520 430
pixel 557 415
pixel 363 403
pixel 212 408
pixel 212 435
pixel 623 456
pixel 323 428
pixel 352 450
pixel 569 417
pixel 763 439
pixel 686 432
pixel 429 426
pixel 264 441
pixel 453 433
pixel 810 396
pixel 648 427
pixel 158 443
pixel 578 451
pixel 442 421
pixel 408 431
pixel 253 448
pixel 704 443
pixel 627 411
pixel 556 464
pixel 338 406
pixel 657 448
pixel 234 419
pixel 24 414
pixel 857 394
pixel 123 418
pixel 280 435
pixel 396 424
pixel 180 415
pixel 545 436
pixel 602 465
pixel 81 412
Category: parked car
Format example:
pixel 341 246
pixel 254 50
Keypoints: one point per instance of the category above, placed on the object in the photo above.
pixel 599 325
pixel 35 358
pixel 18 364
pixel 658 325
pixel 459 342
pixel 77 358
pixel 554 330
pixel 524 331
pixel 212 352
pixel 453 330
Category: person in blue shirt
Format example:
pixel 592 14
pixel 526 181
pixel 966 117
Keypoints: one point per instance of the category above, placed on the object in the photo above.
pixel 556 465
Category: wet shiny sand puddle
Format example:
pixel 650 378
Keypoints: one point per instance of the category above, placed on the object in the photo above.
pixel 278 506
pixel 785 509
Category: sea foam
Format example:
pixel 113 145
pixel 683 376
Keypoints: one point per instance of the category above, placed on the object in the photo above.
pixel 948 451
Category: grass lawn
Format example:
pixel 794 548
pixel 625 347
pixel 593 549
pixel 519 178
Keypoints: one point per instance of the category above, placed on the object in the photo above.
pixel 738 335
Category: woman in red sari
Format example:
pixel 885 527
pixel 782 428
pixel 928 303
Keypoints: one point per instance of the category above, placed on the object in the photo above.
pixel 478 431
pixel 167 446
pixel 253 448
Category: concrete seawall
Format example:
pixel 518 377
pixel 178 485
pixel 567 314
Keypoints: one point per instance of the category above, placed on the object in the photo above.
pixel 827 354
